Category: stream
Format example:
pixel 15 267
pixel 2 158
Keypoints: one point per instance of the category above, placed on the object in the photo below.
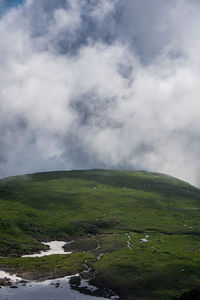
pixel 129 241
pixel 57 289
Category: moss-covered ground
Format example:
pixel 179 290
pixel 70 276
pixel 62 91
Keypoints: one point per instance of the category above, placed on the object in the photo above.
pixel 100 207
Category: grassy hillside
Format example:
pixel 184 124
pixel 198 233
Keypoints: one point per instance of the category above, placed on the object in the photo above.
pixel 108 204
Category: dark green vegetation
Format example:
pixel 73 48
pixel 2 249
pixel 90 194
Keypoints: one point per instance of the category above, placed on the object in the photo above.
pixel 99 207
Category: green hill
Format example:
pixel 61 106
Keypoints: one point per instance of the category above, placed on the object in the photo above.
pixel 103 206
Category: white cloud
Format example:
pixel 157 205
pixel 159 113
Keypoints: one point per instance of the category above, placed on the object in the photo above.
pixel 103 8
pixel 100 106
pixel 68 20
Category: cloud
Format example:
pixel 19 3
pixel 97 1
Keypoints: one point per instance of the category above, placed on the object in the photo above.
pixel 108 84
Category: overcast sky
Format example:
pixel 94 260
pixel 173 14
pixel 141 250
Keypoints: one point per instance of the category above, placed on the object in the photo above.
pixel 100 84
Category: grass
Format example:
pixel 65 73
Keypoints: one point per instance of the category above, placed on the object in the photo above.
pixel 106 204
pixel 163 267
pixel 40 268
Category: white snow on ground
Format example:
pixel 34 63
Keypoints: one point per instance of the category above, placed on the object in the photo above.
pixel 145 240
pixel 13 278
pixel 56 247
pixel 191 227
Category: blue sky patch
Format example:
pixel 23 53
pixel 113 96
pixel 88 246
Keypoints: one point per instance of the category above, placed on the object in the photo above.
pixel 6 4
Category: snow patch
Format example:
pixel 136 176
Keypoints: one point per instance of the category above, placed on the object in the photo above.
pixel 13 278
pixel 56 247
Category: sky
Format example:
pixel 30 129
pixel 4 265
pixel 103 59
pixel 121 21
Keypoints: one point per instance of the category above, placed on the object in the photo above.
pixel 7 4
pixel 100 84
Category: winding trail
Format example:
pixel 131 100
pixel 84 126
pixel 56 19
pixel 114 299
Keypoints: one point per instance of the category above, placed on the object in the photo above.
pixel 100 256
pixel 97 248
pixel 85 265
pixel 129 241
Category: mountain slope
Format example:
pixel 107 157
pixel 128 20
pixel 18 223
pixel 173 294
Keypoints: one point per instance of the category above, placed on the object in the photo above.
pixel 160 214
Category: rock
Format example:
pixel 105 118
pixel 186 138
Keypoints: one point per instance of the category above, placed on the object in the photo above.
pixel 23 282
pixel 75 280
pixel 57 284
pixel 5 282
